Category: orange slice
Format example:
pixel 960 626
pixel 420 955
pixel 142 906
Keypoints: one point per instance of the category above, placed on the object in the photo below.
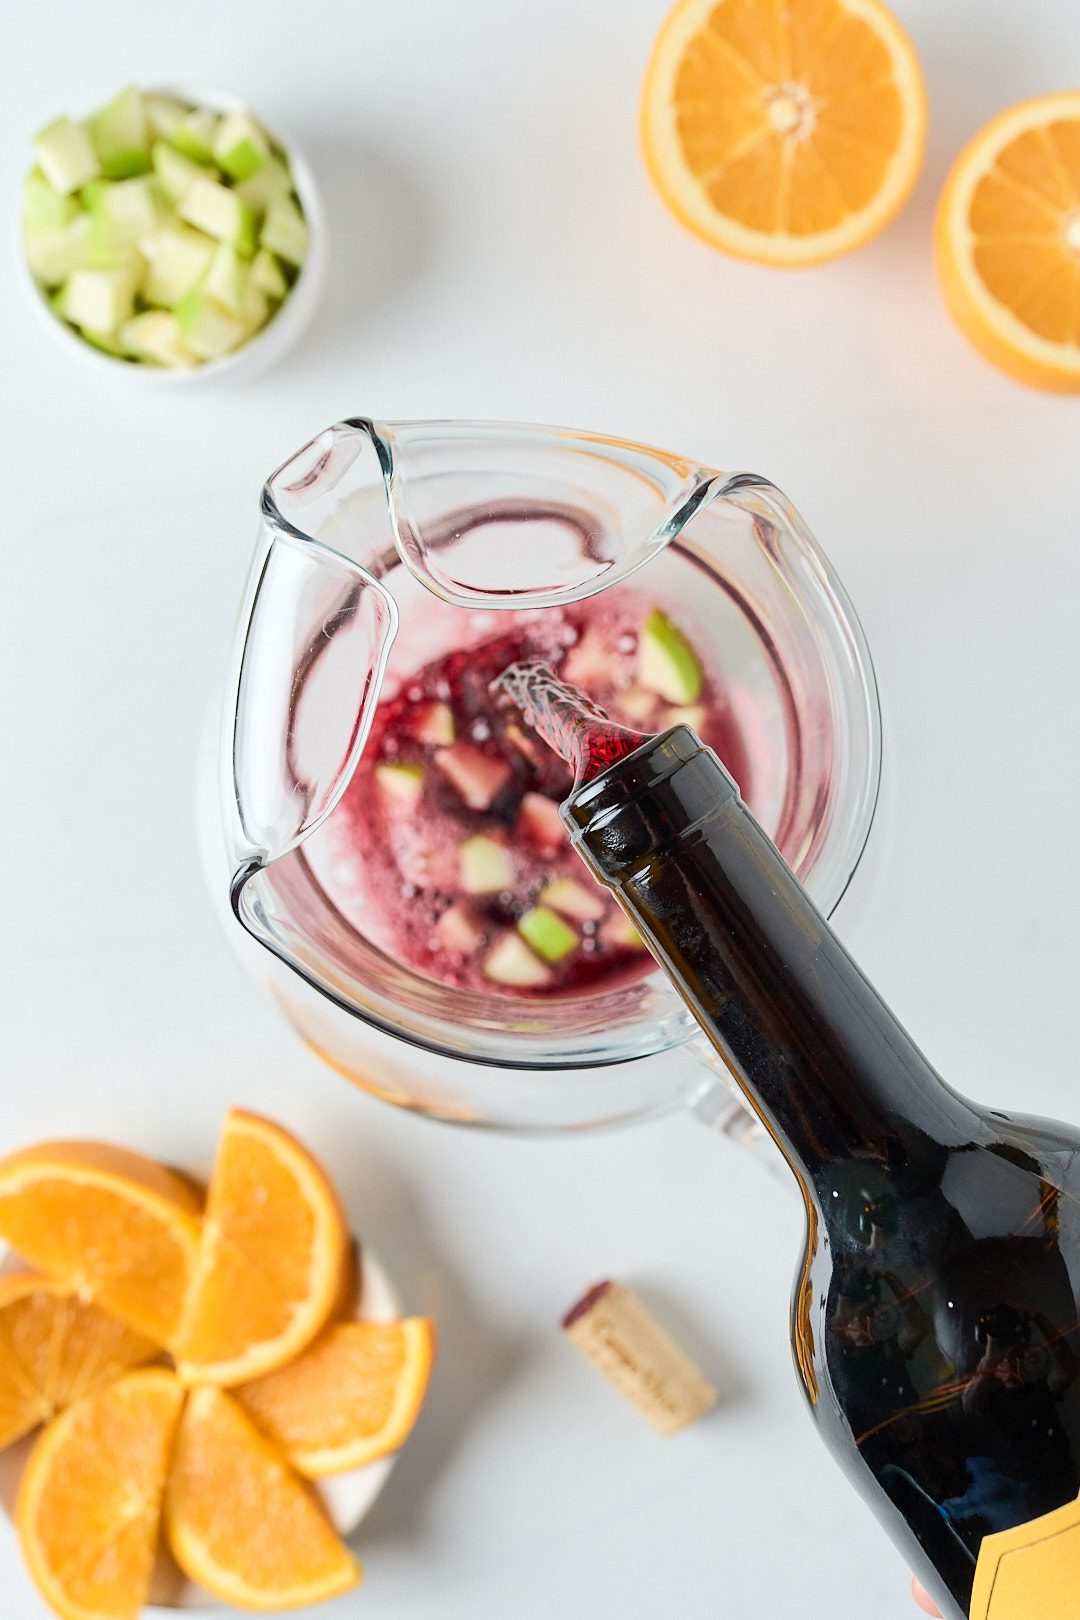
pixel 90 1498
pixel 114 1226
pixel 240 1522
pixel 1007 242
pixel 55 1349
pixel 783 131
pixel 352 1397
pixel 274 1249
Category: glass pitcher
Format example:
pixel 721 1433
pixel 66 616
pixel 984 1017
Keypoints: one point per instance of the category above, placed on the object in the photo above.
pixel 384 545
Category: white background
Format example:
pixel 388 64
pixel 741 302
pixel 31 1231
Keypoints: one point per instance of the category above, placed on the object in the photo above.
pixel 497 252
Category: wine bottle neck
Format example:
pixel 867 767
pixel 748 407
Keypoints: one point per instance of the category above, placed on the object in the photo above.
pixel 821 1059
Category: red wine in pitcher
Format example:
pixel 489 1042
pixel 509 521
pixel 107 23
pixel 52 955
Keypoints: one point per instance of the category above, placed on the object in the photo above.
pixel 448 846
pixel 936 1310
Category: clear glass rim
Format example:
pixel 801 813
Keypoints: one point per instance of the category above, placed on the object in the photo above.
pixel 843 844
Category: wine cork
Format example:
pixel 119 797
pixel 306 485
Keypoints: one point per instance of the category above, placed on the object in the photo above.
pixel 624 1341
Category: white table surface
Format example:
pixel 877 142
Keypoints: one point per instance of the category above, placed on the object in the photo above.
pixel 499 253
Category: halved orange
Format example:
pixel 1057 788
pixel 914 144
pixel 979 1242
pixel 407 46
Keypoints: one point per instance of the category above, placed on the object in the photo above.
pixel 1007 242
pixel 351 1397
pixel 783 131
pixel 112 1225
pixel 274 1249
pixel 241 1522
pixel 55 1349
pixel 90 1497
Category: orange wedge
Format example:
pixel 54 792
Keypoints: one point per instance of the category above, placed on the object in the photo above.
pixel 351 1398
pixel 90 1498
pixel 1007 242
pixel 113 1226
pixel 54 1350
pixel 240 1522
pixel 783 131
pixel 274 1250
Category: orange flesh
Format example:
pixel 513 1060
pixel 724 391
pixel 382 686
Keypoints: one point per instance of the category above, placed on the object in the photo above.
pixel 90 1498
pixel 353 1396
pixel 273 1256
pixel 239 1520
pixel 1025 219
pixel 54 1350
pixel 788 119
pixel 112 1225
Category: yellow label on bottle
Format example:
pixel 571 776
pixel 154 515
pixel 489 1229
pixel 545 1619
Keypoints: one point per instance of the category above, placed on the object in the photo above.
pixel 1031 1572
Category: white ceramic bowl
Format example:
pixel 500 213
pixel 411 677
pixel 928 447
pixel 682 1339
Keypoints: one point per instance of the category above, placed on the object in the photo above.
pixel 348 1497
pixel 268 344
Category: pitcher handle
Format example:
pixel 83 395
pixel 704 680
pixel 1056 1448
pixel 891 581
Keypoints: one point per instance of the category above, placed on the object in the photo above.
pixel 719 1104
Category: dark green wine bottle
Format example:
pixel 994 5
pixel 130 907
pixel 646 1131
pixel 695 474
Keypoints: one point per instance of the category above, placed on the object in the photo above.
pixel 935 1319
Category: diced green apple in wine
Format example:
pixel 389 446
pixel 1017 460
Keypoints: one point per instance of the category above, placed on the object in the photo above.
pixel 541 823
pixel 486 866
pixel 574 900
pixel 402 785
pixel 512 963
pixel 667 664
pixel 478 778
pixel 459 932
pixel 547 933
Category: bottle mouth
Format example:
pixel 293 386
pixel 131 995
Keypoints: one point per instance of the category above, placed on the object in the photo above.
pixel 644 803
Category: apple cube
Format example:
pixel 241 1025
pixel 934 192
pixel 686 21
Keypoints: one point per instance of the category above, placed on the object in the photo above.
pixel 120 136
pixel 99 300
pixel 548 935
pixel 106 342
pixel 215 209
pixel 65 156
pixel 619 930
pixel 255 309
pixel 511 962
pixel 476 777
pixel 163 114
pixel 590 662
pixel 177 257
pixel 541 823
pixel 574 900
pixel 45 211
pixel 285 231
pixel 53 256
pixel 402 785
pixel 122 210
pixel 458 932
pixel 268 275
pixel 486 866
pixel 226 279
pixel 636 704
pixel 692 715
pixel 174 171
pixel 155 336
pixel 433 723
pixel 241 146
pixel 667 664
pixel 205 327
pixel 267 185
pixel 194 135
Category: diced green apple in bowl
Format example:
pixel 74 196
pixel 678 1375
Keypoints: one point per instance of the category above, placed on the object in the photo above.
pixel 163 233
